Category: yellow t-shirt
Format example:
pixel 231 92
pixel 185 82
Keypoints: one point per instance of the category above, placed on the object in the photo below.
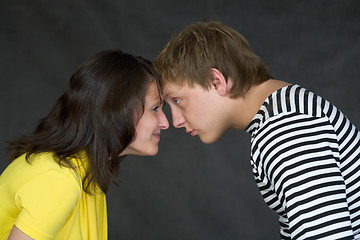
pixel 47 201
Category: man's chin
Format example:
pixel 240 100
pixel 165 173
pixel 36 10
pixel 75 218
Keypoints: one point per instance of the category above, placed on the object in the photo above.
pixel 208 140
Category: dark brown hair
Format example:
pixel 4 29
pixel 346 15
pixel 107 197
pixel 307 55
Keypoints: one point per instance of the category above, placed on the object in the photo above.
pixel 98 114
pixel 191 53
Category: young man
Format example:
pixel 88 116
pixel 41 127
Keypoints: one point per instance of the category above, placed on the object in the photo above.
pixel 305 153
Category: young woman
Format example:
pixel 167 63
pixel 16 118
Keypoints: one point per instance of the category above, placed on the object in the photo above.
pixel 55 186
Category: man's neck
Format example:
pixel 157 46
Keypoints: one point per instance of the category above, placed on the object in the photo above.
pixel 247 106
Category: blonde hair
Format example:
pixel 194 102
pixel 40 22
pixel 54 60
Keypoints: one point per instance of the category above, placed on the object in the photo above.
pixel 191 53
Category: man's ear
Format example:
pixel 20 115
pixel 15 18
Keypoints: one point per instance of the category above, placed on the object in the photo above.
pixel 218 82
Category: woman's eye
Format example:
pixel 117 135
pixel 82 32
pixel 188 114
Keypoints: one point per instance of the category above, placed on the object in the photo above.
pixel 156 108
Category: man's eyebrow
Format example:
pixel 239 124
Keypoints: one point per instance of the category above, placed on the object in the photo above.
pixel 166 95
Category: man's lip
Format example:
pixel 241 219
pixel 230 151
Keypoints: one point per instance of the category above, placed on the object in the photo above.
pixel 192 132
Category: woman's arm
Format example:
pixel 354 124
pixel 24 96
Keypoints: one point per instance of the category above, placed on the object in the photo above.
pixel 17 234
pixel 50 192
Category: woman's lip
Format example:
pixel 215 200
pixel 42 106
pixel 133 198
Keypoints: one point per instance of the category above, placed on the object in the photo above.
pixel 157 135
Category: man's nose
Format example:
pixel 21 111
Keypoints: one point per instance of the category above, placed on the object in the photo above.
pixel 178 119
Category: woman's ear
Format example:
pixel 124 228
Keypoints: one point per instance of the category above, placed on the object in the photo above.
pixel 218 82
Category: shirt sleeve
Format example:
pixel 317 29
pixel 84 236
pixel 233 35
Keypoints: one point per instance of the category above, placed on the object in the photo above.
pixel 301 162
pixel 46 203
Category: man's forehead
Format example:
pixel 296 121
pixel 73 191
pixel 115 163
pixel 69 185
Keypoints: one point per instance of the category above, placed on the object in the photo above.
pixel 171 88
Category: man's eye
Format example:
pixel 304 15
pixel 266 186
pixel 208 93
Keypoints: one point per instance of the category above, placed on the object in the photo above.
pixel 177 101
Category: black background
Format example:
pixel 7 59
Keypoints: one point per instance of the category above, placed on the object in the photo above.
pixel 189 190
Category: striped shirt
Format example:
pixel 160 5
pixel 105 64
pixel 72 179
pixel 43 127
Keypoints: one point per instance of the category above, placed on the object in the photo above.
pixel 305 156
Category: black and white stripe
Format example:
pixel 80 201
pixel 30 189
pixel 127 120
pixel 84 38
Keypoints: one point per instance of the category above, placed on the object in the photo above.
pixel 306 161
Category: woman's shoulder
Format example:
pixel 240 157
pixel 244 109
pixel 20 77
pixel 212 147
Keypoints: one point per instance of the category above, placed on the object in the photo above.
pixel 23 170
